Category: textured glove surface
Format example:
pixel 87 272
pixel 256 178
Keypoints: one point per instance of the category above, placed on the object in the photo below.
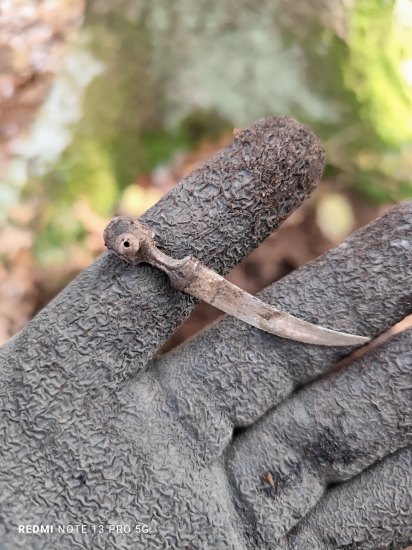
pixel 237 439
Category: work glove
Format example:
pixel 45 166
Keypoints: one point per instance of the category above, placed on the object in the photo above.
pixel 237 439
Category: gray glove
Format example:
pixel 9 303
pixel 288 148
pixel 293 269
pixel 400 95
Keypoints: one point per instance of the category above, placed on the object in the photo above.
pixel 237 439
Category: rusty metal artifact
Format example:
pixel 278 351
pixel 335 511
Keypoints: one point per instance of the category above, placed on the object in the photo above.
pixel 134 242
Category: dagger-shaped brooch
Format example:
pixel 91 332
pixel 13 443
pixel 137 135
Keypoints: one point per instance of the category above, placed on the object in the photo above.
pixel 134 242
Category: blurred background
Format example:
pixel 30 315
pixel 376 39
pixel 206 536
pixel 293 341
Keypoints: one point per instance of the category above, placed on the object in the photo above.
pixel 105 105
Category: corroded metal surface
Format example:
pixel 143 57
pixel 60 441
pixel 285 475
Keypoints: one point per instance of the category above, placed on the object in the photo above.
pixel 134 242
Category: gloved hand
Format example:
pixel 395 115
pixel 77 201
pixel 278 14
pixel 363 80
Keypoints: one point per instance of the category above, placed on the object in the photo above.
pixel 238 439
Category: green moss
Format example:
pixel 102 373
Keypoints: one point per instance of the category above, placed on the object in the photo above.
pixel 84 171
pixel 160 145
pixel 378 45
pixel 58 230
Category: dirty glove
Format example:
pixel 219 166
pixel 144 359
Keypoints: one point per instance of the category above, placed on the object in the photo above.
pixel 238 439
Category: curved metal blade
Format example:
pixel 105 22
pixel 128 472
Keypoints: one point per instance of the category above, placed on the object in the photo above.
pixel 217 291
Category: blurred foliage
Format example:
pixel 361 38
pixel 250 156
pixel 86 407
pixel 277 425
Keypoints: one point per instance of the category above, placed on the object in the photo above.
pixel 85 170
pixel 176 74
pixel 380 44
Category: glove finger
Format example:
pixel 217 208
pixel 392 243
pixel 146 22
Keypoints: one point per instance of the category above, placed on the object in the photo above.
pixel 113 316
pixel 373 511
pixel 327 433
pixel 233 373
